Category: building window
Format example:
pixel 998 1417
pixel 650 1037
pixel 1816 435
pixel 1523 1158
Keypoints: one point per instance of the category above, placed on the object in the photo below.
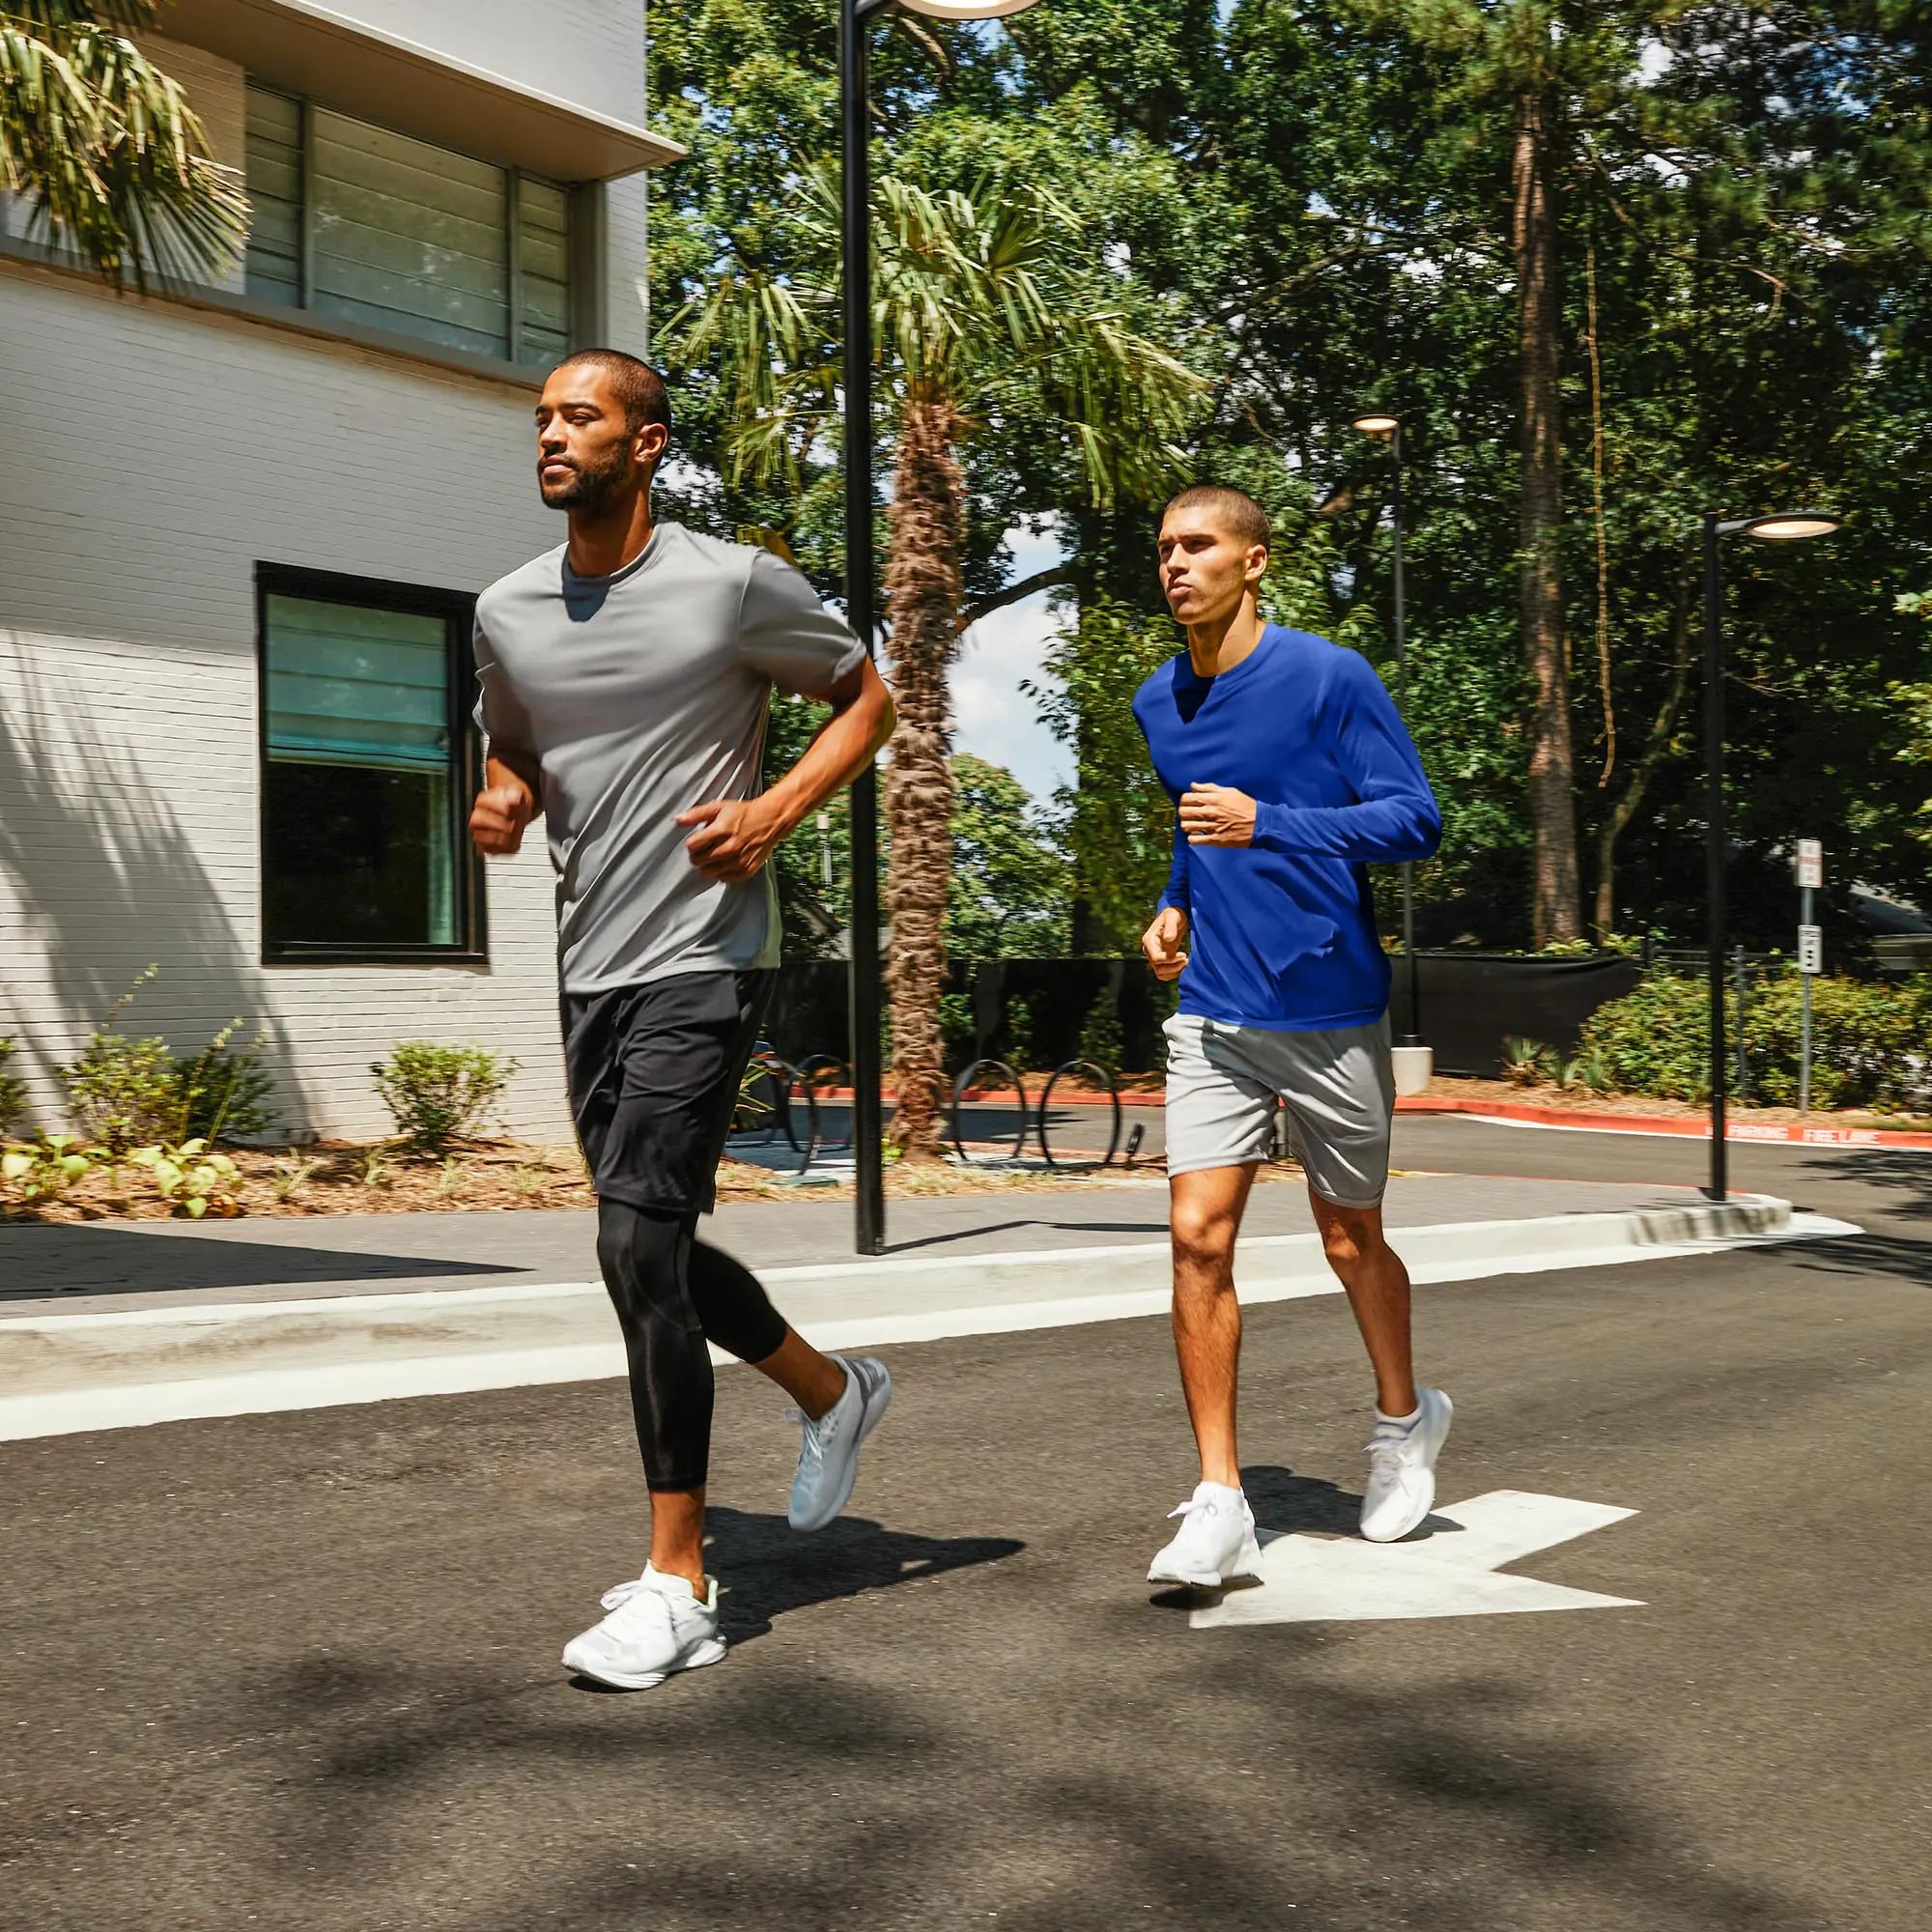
pixel 353 222
pixel 368 765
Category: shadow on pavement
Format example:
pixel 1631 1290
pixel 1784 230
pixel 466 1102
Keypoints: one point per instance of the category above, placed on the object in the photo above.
pixel 765 1568
pixel 1154 1225
pixel 1867 1254
pixel 36 1262
pixel 1897 1172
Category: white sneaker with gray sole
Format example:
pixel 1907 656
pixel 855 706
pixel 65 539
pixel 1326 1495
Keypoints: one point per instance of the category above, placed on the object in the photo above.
pixel 657 1624
pixel 827 1450
pixel 1401 1468
pixel 1215 1541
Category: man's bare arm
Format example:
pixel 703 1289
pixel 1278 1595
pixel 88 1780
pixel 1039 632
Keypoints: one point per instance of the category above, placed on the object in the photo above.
pixel 734 838
pixel 512 795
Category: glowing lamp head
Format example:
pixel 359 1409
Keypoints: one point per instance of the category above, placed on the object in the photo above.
pixel 1793 525
pixel 966 10
pixel 1377 422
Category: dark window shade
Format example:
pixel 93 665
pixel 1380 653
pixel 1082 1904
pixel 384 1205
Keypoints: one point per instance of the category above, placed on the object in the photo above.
pixel 364 774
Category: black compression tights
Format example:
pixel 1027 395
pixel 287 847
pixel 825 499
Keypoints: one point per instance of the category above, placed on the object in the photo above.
pixel 672 1295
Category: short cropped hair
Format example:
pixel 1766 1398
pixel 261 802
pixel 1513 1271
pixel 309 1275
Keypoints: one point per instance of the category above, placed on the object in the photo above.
pixel 639 388
pixel 1243 516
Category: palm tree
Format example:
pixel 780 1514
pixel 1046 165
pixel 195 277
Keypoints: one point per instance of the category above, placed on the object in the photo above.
pixel 105 148
pixel 987 304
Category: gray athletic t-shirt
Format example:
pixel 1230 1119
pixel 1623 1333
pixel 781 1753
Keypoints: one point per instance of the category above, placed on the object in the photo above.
pixel 641 696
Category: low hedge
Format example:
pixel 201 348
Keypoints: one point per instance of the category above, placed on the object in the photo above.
pixel 1871 1044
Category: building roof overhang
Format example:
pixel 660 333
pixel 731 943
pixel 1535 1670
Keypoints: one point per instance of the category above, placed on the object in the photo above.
pixel 312 49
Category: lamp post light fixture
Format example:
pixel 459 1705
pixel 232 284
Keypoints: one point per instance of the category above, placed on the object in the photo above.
pixel 1412 1059
pixel 855 203
pixel 1785 527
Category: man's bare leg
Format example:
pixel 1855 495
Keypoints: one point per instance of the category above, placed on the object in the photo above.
pixel 677 1536
pixel 1377 1283
pixel 814 1381
pixel 1204 1215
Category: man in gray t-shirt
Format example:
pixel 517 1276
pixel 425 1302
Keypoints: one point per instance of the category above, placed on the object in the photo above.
pixel 640 695
pixel 624 684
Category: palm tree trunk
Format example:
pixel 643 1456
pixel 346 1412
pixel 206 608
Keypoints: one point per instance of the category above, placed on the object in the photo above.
pixel 1555 896
pixel 925 596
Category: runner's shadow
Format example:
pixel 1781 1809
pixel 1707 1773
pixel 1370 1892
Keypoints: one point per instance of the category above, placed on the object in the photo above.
pixel 1284 1503
pixel 765 1568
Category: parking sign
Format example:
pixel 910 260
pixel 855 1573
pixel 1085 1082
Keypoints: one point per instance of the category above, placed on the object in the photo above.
pixel 1810 863
pixel 1811 948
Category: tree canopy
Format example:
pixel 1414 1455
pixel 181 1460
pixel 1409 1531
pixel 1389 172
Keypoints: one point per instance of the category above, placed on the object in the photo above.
pixel 1316 205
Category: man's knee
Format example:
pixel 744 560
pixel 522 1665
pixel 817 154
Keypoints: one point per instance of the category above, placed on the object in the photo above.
pixel 636 1250
pixel 1349 1238
pixel 1203 1236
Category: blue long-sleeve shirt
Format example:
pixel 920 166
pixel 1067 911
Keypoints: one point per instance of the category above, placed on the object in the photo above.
pixel 1282 931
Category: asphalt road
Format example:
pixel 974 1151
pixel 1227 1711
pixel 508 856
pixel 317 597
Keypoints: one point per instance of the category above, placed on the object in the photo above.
pixel 300 1671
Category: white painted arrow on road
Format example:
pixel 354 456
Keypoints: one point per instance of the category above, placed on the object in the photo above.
pixel 1451 1573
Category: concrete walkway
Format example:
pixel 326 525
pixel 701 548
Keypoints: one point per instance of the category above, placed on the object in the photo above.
pixel 152 1263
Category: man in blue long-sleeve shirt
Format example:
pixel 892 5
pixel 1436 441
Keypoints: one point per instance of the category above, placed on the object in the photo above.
pixel 1291 771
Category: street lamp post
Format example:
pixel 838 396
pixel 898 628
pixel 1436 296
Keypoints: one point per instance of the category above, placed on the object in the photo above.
pixel 1380 423
pixel 855 199
pixel 1792 526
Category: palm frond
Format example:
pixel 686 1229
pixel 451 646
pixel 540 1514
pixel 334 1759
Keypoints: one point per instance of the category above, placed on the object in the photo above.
pixel 105 148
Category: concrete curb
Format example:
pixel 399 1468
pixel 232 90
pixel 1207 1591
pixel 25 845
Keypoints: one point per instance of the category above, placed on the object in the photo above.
pixel 123 1369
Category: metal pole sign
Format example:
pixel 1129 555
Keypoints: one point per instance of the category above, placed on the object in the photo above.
pixel 1810 957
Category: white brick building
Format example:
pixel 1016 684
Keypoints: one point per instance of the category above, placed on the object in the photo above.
pixel 241 529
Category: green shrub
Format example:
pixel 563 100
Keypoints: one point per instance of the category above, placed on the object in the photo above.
pixel 225 1091
pixel 46 1169
pixel 1100 1039
pixel 128 1093
pixel 124 1093
pixel 190 1180
pixel 439 1094
pixel 1017 1047
pixel 13 1091
pixel 1870 1043
pixel 1529 1063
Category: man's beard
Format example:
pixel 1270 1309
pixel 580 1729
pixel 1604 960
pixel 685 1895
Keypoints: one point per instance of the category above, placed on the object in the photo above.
pixel 591 488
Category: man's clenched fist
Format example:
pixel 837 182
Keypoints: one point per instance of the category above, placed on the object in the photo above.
pixel 1213 815
pixel 504 807
pixel 1165 943
pixel 734 838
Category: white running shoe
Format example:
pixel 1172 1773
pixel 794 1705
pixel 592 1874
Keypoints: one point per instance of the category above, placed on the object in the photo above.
pixel 1402 1468
pixel 657 1624
pixel 1215 1541
pixel 828 1451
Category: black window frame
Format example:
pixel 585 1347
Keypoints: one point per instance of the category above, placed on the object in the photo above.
pixel 458 610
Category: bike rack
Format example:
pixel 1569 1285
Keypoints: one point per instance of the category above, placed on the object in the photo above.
pixel 790 1082
pixel 1113 1087
pixel 965 1081
pixel 817 1066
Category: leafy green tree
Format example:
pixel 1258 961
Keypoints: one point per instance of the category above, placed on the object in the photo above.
pixel 985 300
pixel 1009 898
pixel 112 161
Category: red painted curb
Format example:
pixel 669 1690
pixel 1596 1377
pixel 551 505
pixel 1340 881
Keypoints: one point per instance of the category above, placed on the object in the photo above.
pixel 1786 1133
pixel 1789 1133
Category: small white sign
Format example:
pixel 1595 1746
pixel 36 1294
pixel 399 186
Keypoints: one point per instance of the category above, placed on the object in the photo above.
pixel 1811 948
pixel 1811 863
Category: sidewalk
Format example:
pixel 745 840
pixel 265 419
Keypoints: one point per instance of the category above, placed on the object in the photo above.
pixel 113 1326
pixel 153 1264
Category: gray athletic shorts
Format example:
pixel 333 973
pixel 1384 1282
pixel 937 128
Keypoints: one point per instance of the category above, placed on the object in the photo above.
pixel 1340 1092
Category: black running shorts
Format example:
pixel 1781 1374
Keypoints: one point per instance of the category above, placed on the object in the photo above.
pixel 654 1072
